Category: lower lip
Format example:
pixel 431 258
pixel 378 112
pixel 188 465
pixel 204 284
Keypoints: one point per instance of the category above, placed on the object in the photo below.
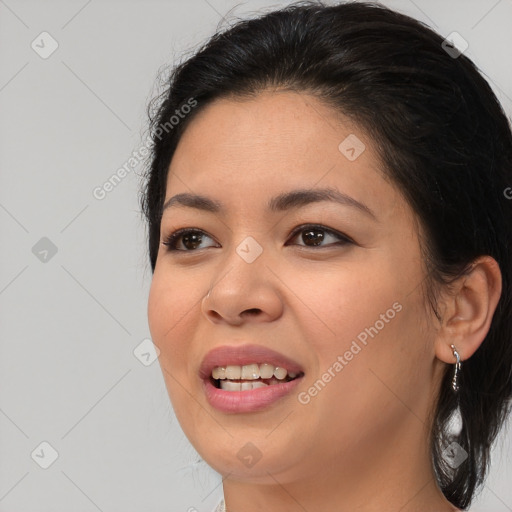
pixel 247 401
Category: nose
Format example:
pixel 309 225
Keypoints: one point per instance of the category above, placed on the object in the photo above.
pixel 244 292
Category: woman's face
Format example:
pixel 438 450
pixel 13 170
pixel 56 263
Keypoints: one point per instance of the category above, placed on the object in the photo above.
pixel 341 302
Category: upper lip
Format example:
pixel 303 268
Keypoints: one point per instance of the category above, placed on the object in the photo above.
pixel 242 355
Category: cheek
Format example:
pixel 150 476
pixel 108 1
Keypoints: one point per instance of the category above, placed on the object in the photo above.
pixel 344 300
pixel 171 304
pixel 384 353
pixel 369 315
pixel 160 308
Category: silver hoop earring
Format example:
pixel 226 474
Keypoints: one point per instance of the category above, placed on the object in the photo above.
pixel 458 365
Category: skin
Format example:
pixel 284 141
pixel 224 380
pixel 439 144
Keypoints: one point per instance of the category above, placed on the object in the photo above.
pixel 361 444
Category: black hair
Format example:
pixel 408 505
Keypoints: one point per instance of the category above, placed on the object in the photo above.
pixel 444 141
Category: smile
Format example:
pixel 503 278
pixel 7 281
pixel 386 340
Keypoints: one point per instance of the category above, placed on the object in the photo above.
pixel 250 376
pixel 247 378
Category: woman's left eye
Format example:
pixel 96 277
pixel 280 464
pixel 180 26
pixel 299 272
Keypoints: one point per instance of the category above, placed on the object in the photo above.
pixel 315 235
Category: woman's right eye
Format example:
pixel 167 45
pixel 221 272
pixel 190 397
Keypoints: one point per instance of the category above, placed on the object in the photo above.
pixel 185 240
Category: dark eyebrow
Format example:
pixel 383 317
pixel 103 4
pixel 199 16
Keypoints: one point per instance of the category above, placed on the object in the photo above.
pixel 282 202
pixel 296 198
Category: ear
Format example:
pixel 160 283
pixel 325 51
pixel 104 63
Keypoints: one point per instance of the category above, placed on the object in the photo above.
pixel 468 305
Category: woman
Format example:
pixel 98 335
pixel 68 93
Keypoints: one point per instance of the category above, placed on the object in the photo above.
pixel 329 234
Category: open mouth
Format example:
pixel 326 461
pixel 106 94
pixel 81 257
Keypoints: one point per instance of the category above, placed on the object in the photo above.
pixel 251 376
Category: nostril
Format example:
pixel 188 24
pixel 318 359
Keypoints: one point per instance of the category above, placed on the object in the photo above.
pixel 253 311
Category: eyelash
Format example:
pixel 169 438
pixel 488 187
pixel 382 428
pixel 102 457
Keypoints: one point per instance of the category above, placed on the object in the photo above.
pixel 171 241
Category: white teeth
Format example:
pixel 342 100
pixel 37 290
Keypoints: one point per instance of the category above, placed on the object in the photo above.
pixel 266 371
pixel 241 386
pixel 259 384
pixel 230 386
pixel 280 373
pixel 233 372
pixel 219 372
pixel 251 372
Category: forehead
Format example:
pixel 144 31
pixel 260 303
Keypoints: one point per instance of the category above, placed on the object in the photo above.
pixel 281 122
pixel 239 149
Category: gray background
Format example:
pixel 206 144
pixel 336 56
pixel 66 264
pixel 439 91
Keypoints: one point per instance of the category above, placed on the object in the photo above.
pixel 70 321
